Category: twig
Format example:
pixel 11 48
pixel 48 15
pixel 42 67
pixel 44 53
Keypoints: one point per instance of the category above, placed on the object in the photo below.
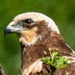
pixel 2 72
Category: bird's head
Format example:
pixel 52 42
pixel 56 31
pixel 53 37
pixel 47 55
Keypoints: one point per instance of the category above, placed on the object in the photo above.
pixel 30 26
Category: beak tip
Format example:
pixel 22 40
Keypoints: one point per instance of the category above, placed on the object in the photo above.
pixel 6 31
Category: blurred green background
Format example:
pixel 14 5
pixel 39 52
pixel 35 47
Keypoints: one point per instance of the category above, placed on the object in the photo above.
pixel 61 11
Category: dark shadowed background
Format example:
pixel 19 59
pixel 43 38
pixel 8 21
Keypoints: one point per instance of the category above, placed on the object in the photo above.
pixel 61 11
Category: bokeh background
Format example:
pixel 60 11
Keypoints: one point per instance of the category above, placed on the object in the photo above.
pixel 61 11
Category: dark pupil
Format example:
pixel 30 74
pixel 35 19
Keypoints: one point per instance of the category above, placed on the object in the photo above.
pixel 28 21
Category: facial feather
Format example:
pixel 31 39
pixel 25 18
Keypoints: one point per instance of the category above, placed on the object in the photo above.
pixel 38 17
pixel 28 37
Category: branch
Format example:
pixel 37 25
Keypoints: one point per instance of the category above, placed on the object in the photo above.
pixel 2 72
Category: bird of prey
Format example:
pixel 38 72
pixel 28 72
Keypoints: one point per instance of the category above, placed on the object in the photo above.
pixel 37 33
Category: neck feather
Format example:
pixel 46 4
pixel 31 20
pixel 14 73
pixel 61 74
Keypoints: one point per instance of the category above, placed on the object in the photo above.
pixel 33 52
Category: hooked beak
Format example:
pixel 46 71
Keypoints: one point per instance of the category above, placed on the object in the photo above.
pixel 10 28
pixel 13 28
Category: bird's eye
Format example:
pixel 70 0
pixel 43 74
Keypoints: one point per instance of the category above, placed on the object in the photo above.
pixel 28 21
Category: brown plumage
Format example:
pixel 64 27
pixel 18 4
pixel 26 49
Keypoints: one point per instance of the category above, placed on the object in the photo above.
pixel 37 33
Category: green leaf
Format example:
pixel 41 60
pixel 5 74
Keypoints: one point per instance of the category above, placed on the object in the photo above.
pixel 53 55
pixel 55 61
